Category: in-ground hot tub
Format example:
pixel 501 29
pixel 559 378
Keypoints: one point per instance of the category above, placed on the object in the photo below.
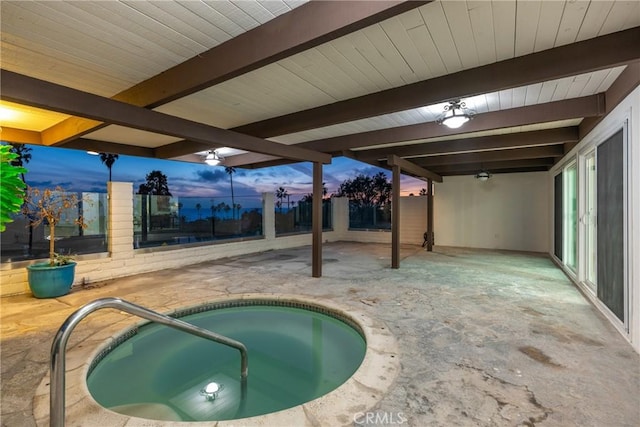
pixel 297 353
pixel 358 394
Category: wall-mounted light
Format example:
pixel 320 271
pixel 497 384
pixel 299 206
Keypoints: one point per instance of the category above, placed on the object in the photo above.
pixel 93 153
pixel 455 115
pixel 212 158
pixel 483 176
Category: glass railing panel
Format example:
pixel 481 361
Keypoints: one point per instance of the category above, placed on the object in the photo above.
pixel 369 217
pixel 166 220
pixel 293 214
pixel 21 242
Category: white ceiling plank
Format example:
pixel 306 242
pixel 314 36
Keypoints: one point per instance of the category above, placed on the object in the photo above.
pixel 633 17
pixel 547 91
pixel 459 23
pixel 577 85
pixel 217 20
pixel 504 20
pixel 345 46
pixel 115 133
pixel 346 66
pixel 610 78
pixel 572 18
pixel 255 10
pixel 595 80
pixel 620 14
pixel 436 23
pixel 375 46
pixel 397 33
pixel 594 19
pixel 493 101
pixel 527 18
pixel 424 44
pixel 519 96
pixel 481 17
pixel 506 98
pixel 142 32
pixel 562 88
pixel 548 24
pixel 182 20
pixel 236 14
pixel 532 94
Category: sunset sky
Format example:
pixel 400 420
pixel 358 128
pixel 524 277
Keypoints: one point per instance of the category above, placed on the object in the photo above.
pixel 78 171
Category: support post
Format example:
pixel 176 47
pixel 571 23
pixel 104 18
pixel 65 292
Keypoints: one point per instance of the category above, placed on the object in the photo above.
pixel 430 232
pixel 316 220
pixel 395 217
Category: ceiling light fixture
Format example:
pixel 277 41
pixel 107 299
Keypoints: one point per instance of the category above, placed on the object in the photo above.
pixel 212 158
pixel 455 114
pixel 483 176
pixel 93 153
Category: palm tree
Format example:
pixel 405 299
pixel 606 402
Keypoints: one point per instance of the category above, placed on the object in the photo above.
pixel 198 207
pixel 423 192
pixel 108 159
pixel 24 156
pixel 231 170
pixel 281 193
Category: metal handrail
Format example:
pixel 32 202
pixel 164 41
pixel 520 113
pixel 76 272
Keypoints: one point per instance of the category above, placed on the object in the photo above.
pixel 59 345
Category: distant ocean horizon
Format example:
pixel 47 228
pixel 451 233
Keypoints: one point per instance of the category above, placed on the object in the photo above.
pixel 192 214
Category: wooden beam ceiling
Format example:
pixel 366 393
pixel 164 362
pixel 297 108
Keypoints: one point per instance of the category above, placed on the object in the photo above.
pixel 587 106
pixel 576 58
pixel 483 143
pixel 490 156
pixel 304 27
pixel 494 166
pixel 39 93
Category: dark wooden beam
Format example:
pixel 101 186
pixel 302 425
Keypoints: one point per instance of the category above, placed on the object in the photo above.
pixel 26 90
pixel 482 143
pixel 316 221
pixel 241 160
pixel 175 149
pixel 490 156
pixel 395 216
pixel 589 55
pixel 626 82
pixel 495 166
pixel 109 147
pixel 412 168
pixel 304 27
pixel 500 171
pixel 548 112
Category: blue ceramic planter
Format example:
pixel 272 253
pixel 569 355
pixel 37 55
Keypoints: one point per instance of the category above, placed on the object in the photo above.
pixel 50 282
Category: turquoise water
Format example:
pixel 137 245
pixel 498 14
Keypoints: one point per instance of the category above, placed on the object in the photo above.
pixel 295 356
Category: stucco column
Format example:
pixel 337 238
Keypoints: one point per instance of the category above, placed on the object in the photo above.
pixel 120 222
pixel 268 216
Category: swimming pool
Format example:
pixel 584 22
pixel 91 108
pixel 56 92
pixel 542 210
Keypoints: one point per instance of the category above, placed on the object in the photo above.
pixel 297 353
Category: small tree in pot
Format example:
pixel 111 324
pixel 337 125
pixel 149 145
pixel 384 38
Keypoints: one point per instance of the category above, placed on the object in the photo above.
pixel 52 206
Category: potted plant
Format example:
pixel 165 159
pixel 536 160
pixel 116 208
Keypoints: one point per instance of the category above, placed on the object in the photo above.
pixel 52 206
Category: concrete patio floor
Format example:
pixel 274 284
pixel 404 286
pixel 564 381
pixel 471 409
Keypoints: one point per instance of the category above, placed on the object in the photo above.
pixel 485 338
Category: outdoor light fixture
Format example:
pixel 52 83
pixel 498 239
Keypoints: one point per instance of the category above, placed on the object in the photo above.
pixel 210 391
pixel 212 158
pixel 93 153
pixel 455 115
pixel 483 176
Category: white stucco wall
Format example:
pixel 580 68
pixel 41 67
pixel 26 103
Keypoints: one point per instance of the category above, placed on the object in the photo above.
pixel 509 211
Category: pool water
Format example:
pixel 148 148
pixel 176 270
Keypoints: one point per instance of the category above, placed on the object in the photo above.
pixel 295 355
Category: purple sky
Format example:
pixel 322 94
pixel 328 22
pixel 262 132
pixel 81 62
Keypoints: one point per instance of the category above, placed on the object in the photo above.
pixel 76 170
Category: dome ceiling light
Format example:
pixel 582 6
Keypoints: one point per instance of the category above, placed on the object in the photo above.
pixel 455 114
